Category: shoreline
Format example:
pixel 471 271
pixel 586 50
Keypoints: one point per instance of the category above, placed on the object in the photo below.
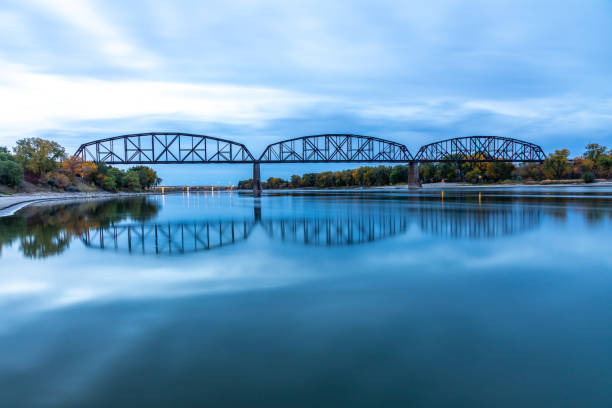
pixel 439 186
pixel 10 204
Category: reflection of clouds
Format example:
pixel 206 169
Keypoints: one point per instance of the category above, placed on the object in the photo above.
pixel 17 288
pixel 419 236
pixel 97 278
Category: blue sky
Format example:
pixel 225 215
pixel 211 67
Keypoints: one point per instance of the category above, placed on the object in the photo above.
pixel 261 71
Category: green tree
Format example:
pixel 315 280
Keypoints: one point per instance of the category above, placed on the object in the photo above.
pixel 109 183
pixel 427 172
pixel 39 156
pixel 448 171
pixel 399 174
pixel 309 180
pixel 10 174
pixel 295 181
pixel 588 177
pixel 245 184
pixel 347 178
pixel 473 176
pixel 594 151
pixel 131 181
pixel 557 164
pixel 118 175
pixel 324 179
pixel 274 183
pixel 359 175
pixel 382 175
pixel 147 176
pixel 5 156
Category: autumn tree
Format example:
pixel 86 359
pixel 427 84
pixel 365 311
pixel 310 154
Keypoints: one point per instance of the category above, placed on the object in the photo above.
pixel 496 171
pixel 38 156
pixel 75 167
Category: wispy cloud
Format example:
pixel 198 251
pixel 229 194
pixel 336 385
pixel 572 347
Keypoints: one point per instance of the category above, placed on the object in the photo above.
pixel 34 102
pixel 92 26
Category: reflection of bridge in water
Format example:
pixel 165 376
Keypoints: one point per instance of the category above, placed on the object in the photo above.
pixel 478 224
pixel 336 231
pixel 168 238
pixel 185 237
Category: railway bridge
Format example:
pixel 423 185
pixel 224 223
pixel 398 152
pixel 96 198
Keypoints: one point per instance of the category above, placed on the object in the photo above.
pixel 185 148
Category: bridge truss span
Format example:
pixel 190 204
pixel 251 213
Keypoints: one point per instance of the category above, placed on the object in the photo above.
pixel 164 148
pixel 480 149
pixel 335 148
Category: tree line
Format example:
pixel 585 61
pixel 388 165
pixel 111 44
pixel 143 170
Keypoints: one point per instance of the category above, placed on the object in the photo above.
pixel 594 163
pixel 45 163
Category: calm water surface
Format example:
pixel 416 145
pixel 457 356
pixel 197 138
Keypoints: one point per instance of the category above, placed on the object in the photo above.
pixel 474 298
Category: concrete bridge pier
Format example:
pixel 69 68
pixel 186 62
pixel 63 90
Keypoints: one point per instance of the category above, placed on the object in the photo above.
pixel 256 180
pixel 413 175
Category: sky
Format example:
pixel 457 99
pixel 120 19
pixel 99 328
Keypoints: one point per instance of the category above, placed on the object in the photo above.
pixel 261 71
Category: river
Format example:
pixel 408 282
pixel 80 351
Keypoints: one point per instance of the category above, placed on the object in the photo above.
pixel 468 297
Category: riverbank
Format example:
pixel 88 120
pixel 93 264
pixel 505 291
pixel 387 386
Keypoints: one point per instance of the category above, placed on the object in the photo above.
pixel 497 185
pixel 10 204
pixel 452 185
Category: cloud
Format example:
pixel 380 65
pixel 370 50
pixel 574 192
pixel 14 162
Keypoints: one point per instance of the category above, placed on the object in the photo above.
pixel 92 25
pixel 33 102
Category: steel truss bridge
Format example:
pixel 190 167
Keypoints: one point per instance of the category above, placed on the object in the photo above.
pixel 181 148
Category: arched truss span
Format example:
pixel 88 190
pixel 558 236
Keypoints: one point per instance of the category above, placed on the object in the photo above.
pixel 164 148
pixel 480 149
pixel 335 148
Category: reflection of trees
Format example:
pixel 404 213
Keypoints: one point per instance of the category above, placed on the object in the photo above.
pixel 11 228
pixel 42 241
pixel 47 231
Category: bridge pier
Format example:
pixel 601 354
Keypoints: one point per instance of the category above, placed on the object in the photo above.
pixel 256 180
pixel 257 210
pixel 413 175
